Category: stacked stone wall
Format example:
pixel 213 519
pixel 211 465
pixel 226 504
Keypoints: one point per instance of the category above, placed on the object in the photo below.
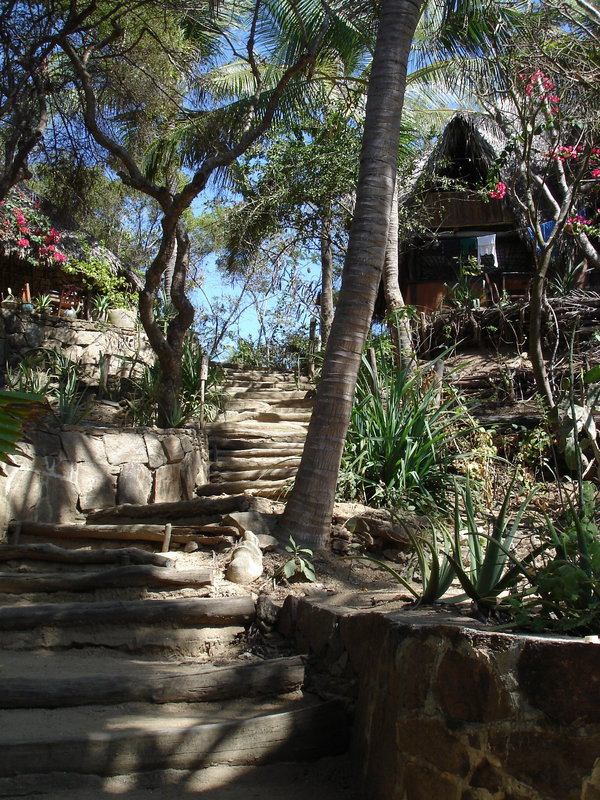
pixel 446 710
pixel 63 472
pixel 104 351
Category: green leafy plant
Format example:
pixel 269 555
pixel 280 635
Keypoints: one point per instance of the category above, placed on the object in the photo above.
pixel 42 303
pixel 492 567
pixel 16 408
pixel 563 591
pixel 100 275
pixel 297 566
pixel 100 306
pixel 403 442
pixel 143 399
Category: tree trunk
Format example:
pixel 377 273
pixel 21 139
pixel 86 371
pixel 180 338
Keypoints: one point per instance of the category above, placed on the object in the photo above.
pixel 307 516
pixel 536 354
pixel 394 301
pixel 168 348
pixel 326 275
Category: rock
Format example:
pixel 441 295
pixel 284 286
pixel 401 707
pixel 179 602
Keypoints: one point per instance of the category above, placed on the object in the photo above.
pixel 125 447
pixel 267 613
pixel 267 543
pixel 167 484
pixel 254 521
pixel 246 563
pixel 173 448
pixel 134 484
pixel 191 547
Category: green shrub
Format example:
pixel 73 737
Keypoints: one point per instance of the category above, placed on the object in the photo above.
pixel 404 442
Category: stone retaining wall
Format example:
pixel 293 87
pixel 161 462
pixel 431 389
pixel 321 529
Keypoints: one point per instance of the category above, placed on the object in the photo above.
pixel 65 471
pixel 449 711
pixel 102 349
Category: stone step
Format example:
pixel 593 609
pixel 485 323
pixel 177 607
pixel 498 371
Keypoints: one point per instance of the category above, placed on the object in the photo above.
pixel 134 737
pixel 267 430
pixel 265 474
pixel 277 395
pixel 40 679
pixel 268 451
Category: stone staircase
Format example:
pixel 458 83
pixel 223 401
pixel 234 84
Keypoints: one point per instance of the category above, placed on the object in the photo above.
pixel 120 668
pixel 256 444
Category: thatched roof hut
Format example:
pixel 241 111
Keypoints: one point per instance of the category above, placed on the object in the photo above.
pixel 40 265
pixel 446 191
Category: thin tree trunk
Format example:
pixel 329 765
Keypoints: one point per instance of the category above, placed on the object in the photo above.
pixel 394 301
pixel 168 348
pixel 307 516
pixel 536 354
pixel 326 276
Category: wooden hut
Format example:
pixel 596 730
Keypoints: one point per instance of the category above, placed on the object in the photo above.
pixel 446 188
pixel 24 279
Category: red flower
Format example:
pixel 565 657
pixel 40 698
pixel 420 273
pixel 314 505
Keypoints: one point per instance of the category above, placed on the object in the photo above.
pixel 499 192
pixel 23 242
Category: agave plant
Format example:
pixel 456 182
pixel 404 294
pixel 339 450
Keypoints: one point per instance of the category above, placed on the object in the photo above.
pixel 493 567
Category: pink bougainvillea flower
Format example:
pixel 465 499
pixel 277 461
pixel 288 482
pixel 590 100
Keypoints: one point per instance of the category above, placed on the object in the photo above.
pixel 60 258
pixel 51 248
pixel 24 229
pixel 23 242
pixel 596 173
pixel 499 191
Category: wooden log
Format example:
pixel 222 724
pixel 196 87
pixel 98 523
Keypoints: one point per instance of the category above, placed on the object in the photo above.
pixel 293 731
pixel 167 538
pixel 144 532
pixel 275 676
pixel 170 512
pixel 184 612
pixel 145 575
pixel 51 552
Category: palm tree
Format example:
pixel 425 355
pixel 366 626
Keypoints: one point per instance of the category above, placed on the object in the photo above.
pixel 307 515
pixel 308 511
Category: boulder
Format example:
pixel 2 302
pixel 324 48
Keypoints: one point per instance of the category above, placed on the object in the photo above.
pixel 246 563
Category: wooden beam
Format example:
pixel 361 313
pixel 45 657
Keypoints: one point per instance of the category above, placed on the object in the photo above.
pixel 185 612
pixel 120 532
pixel 51 552
pixel 136 575
pixel 274 676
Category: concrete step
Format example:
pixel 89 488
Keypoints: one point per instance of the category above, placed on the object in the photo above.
pixel 328 778
pixel 113 740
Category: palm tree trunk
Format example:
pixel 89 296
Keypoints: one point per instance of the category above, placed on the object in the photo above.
pixel 326 275
pixel 394 301
pixel 307 516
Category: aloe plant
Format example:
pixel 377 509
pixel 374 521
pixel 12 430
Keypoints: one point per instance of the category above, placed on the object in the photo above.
pixel 434 566
pixel 493 567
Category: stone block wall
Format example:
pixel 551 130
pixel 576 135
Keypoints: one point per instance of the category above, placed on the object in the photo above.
pixel 64 472
pixel 96 346
pixel 446 710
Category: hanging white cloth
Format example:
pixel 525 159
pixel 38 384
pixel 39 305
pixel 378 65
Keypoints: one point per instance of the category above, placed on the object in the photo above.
pixel 486 251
